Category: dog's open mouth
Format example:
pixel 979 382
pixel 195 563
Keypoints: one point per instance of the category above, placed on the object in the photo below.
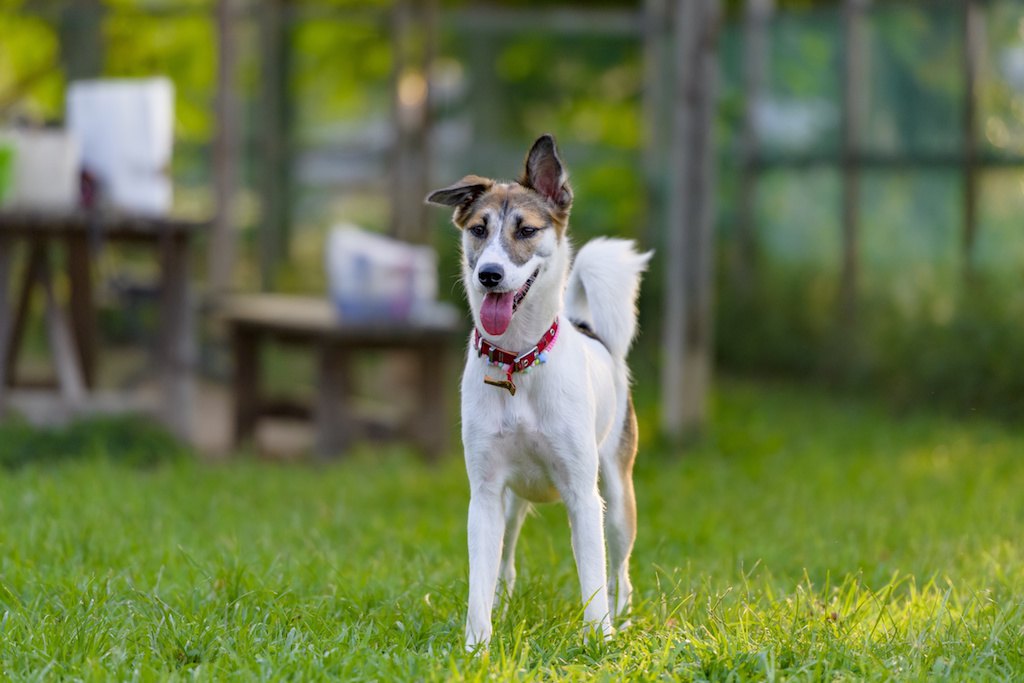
pixel 498 307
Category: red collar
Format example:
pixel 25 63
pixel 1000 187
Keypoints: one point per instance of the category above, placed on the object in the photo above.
pixel 499 356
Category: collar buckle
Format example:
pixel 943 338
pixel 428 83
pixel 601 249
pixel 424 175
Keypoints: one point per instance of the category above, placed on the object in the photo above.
pixel 521 356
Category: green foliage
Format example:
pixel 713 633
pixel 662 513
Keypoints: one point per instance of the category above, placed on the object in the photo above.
pixel 783 326
pixel 924 333
pixel 340 77
pixel 29 75
pixel 966 358
pixel 914 51
pixel 971 361
pixel 6 170
pixel 183 47
pixel 806 538
pixel 121 440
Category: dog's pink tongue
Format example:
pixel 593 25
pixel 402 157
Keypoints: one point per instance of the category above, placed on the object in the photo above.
pixel 496 312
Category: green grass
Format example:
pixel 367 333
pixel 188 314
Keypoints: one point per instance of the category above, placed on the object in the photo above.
pixel 807 537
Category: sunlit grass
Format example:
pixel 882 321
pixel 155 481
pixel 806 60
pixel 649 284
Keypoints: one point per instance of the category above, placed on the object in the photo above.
pixel 806 537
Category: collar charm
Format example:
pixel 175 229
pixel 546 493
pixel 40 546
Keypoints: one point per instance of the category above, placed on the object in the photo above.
pixel 521 363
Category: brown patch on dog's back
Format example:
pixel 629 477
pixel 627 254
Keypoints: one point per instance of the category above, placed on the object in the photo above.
pixel 625 457
pixel 629 440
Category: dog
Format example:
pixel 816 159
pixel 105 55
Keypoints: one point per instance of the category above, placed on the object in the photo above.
pixel 546 406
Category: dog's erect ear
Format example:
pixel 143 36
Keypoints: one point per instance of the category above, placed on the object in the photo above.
pixel 461 193
pixel 545 174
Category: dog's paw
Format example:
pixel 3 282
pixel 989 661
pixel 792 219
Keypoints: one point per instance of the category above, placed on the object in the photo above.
pixel 600 632
pixel 477 643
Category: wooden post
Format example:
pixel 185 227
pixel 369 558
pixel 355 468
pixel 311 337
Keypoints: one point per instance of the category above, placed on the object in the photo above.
pixel 177 349
pixel 223 243
pixel 687 351
pixel 488 116
pixel 276 160
pixel 414 35
pixel 973 43
pixel 656 34
pixel 756 21
pixel 853 104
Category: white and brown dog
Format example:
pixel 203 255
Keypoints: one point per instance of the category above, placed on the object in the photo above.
pixel 566 427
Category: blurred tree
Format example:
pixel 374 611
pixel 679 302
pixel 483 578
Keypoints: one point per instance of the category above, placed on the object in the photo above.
pixel 82 44
pixel 31 80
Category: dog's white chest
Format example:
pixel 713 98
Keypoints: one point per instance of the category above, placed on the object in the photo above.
pixel 528 468
pixel 534 442
pixel 523 452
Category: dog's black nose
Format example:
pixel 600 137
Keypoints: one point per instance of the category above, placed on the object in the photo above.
pixel 491 274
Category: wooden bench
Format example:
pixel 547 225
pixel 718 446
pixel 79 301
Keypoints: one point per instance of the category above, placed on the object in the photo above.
pixel 315 323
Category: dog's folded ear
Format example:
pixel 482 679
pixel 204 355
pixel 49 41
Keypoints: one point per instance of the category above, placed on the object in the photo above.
pixel 545 173
pixel 462 193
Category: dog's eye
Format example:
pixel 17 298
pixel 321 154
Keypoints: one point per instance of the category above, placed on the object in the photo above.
pixel 527 232
pixel 478 231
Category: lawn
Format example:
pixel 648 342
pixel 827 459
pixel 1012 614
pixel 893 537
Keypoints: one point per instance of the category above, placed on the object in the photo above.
pixel 807 537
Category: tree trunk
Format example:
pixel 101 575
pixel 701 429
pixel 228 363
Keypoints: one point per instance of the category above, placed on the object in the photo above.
pixel 223 243
pixel 687 349
pixel 414 35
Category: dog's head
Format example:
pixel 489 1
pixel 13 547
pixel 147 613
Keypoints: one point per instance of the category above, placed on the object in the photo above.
pixel 510 232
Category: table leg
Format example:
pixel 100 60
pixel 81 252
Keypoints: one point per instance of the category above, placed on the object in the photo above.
pixel 62 343
pixel 332 418
pixel 83 307
pixel 34 271
pixel 176 352
pixel 246 382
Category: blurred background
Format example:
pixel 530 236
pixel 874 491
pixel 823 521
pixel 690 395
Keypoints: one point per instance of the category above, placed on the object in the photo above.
pixel 835 189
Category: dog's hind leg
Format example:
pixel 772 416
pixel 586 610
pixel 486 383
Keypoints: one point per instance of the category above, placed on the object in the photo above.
pixel 620 515
pixel 620 532
pixel 516 509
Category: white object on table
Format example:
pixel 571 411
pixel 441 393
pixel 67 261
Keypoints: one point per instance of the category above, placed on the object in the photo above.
pixel 45 169
pixel 371 276
pixel 127 131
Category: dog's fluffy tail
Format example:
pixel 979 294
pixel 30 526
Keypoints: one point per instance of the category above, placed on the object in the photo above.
pixel 602 290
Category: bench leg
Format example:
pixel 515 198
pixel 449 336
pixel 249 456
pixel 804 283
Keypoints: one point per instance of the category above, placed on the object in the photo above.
pixel 6 318
pixel 332 413
pixel 246 382
pixel 432 413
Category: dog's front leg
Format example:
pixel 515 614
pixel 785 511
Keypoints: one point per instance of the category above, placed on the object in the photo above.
pixel 586 519
pixel 485 530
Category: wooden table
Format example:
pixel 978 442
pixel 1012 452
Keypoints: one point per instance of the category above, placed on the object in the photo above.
pixel 315 323
pixel 73 343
